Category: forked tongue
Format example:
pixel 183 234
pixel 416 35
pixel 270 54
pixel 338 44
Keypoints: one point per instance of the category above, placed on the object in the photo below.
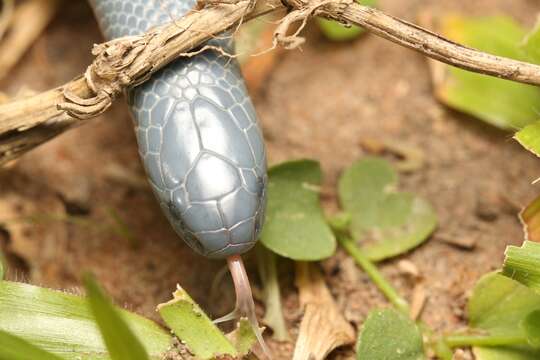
pixel 245 307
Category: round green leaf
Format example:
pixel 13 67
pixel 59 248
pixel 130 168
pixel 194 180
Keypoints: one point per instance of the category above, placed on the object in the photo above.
pixel 386 221
pixel 295 226
pixel 388 334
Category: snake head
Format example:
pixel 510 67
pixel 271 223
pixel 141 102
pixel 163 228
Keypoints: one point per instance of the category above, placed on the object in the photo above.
pixel 223 225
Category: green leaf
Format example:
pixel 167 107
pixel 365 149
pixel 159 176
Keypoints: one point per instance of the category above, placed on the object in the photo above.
pixel 529 137
pixel 295 226
pixel 191 325
pixel 498 307
pixel 502 103
pixel 243 337
pixel 498 304
pixel 336 31
pixel 531 326
pixel 523 264
pixel 15 348
pixel 387 222
pixel 388 334
pixel 120 341
pixel 505 353
pixel 2 268
pixel 63 324
pixel 531 45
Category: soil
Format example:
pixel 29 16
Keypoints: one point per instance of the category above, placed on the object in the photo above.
pixel 475 176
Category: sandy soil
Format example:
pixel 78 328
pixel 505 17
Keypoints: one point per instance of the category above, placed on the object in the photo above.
pixel 475 176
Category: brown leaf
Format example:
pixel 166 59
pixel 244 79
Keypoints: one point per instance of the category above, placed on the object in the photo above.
pixel 254 41
pixel 323 327
pixel 530 219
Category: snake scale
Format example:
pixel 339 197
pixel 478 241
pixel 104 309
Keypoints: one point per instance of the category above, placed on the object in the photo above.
pixel 198 135
pixel 200 143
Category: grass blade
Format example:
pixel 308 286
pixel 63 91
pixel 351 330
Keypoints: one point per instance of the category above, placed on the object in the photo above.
pixel 62 323
pixel 118 337
pixel 15 348
pixel 523 264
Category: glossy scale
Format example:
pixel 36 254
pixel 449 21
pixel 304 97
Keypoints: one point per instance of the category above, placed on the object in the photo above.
pixel 198 135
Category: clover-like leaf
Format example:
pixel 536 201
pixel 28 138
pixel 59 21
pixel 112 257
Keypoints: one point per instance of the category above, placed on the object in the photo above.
pixel 295 226
pixel 388 334
pixel 498 307
pixel 63 323
pixel 502 103
pixel 387 222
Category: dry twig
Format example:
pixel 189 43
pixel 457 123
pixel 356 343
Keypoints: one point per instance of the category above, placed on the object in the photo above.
pixel 6 15
pixel 22 32
pixel 126 62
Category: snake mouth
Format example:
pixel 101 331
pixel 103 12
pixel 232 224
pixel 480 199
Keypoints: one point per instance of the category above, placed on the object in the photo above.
pixel 218 228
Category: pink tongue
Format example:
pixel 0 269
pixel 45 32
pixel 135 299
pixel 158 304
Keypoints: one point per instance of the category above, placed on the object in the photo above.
pixel 245 307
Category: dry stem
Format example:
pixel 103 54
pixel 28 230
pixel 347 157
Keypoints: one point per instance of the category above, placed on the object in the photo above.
pixel 126 62
pixel 6 15
pixel 23 33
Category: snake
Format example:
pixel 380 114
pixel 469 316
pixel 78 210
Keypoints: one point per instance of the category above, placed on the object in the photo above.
pixel 199 140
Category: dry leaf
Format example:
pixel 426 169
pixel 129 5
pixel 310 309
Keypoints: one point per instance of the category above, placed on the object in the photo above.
pixel 323 327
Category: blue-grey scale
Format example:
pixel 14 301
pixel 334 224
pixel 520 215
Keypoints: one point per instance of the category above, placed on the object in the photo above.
pixel 198 135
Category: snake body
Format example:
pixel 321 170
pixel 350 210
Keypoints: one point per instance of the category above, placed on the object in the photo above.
pixel 198 135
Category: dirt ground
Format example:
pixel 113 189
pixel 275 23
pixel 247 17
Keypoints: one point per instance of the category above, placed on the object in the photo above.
pixel 322 102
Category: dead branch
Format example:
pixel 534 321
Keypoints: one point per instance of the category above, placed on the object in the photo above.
pixel 129 61
pixel 22 33
pixel 5 16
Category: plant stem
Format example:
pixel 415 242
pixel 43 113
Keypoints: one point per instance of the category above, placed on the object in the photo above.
pixel 266 262
pixel 439 347
pixel 459 340
pixel 384 286
pixel 442 350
